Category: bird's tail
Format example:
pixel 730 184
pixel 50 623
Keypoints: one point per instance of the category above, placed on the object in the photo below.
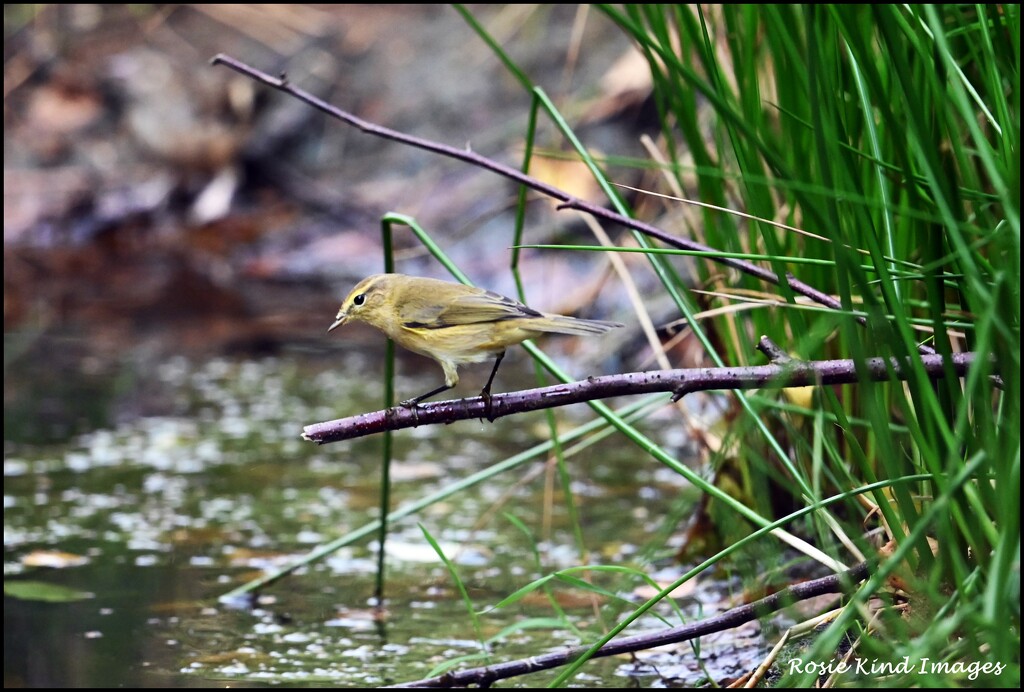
pixel 562 324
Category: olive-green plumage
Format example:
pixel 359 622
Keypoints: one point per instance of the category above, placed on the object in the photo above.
pixel 451 322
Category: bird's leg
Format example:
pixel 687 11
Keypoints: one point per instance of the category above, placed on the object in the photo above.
pixel 414 402
pixel 486 391
pixel 451 378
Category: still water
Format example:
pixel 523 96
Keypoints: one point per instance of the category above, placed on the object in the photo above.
pixel 137 495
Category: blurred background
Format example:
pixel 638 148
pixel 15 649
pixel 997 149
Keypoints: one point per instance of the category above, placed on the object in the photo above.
pixel 157 204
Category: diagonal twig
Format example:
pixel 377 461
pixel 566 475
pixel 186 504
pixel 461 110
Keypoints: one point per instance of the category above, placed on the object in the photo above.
pixel 566 200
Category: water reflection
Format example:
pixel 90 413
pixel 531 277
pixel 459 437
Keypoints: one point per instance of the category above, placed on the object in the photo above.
pixel 173 510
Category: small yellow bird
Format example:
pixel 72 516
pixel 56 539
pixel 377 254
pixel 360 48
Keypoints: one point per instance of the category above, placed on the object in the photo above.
pixel 451 322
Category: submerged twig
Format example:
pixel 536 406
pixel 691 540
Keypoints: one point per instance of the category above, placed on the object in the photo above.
pixel 834 583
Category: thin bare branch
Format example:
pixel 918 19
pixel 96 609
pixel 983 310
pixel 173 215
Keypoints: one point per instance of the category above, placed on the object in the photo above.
pixel 788 373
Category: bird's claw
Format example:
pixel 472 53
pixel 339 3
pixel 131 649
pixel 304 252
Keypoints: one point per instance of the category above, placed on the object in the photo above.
pixel 486 396
pixel 412 405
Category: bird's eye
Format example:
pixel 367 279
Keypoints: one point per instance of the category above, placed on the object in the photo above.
pixel 359 299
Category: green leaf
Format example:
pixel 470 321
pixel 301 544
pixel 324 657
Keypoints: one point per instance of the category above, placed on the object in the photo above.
pixel 44 591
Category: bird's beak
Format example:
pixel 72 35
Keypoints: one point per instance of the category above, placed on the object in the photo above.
pixel 340 320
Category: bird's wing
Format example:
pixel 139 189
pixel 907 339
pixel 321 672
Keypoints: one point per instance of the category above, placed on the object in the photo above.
pixel 471 308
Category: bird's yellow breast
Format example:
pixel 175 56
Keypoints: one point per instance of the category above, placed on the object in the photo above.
pixel 464 343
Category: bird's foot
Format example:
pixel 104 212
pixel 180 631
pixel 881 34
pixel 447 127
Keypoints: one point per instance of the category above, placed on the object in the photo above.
pixel 488 405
